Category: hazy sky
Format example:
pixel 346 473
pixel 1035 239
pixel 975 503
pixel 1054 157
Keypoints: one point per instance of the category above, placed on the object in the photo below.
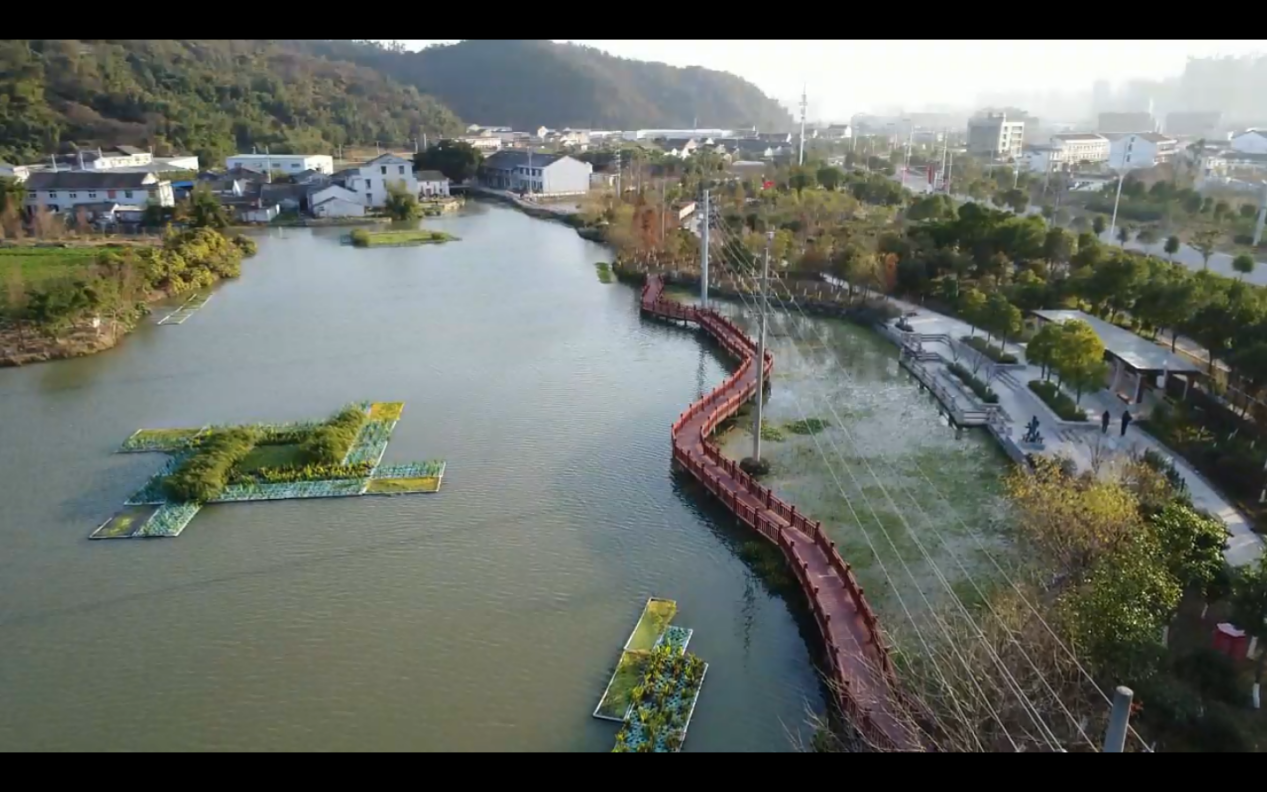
pixel 844 77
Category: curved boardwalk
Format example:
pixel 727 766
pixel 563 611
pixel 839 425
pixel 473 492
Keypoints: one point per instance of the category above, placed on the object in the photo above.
pixel 860 664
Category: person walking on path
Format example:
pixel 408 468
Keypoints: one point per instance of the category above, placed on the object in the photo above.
pixel 1104 422
pixel 1126 421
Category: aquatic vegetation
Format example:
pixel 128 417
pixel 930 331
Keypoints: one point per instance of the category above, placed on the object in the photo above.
pixel 630 671
pixel 386 411
pixel 807 426
pixel 205 473
pixel 289 475
pixel 330 443
pixel 772 432
pixel 403 486
pixel 159 439
pixel 604 272
pixel 663 703
pixel 651 625
pixel 169 520
pixel 124 523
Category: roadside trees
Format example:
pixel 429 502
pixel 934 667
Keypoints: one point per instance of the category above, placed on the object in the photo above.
pixel 1079 357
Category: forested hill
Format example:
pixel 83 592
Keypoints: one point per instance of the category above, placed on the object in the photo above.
pixel 207 97
pixel 527 84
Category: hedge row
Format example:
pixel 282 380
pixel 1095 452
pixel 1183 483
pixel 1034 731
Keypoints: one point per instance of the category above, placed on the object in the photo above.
pixel 329 443
pixel 984 392
pixel 1060 404
pixel 989 350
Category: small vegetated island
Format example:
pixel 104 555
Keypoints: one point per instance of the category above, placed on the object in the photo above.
pixel 399 238
pixel 656 684
pixel 339 457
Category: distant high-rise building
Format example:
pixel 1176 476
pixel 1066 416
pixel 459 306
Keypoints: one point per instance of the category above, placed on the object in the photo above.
pixel 1193 124
pixel 993 135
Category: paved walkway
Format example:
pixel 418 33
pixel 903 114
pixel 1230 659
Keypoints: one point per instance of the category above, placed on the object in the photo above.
pixel 1083 443
pixel 859 661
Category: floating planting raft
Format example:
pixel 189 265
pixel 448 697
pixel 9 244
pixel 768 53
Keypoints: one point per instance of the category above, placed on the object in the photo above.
pixel 186 310
pixel 656 684
pixel 269 461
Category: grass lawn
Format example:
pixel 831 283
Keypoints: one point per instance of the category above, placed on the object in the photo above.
pixel 41 263
pixel 403 486
pixel 421 236
pixel 386 411
pixel 655 619
pixel 630 672
pixel 125 522
pixel 271 456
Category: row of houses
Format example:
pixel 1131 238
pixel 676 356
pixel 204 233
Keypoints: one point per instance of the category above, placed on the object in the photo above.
pixel 119 159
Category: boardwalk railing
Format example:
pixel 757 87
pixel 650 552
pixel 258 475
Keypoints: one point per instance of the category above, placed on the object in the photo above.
pixel 860 664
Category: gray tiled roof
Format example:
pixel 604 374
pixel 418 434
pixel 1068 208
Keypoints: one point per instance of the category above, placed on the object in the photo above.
pixel 86 180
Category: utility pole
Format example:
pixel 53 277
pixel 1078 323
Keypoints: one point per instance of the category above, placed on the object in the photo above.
pixel 801 158
pixel 424 141
pixel 707 220
pixel 765 304
pixel 663 209
pixel 1119 720
pixel 1262 217
pixel 1113 222
pixel 910 139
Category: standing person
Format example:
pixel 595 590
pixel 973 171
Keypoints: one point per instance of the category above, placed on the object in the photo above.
pixel 1104 422
pixel 1126 421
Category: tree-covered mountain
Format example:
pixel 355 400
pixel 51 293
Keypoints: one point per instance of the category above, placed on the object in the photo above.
pixel 208 97
pixel 527 84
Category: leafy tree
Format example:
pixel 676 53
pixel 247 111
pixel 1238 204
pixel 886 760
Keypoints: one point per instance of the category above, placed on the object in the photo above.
pixel 1172 246
pixel 457 160
pixel 829 177
pixel 1244 264
pixel 204 210
pixel 799 179
pixel 1249 605
pixel 1192 542
pixel 1058 246
pixel 1001 317
pixel 1041 349
pixel 401 205
pixel 1049 212
pixel 1079 357
pixel 1204 242
pixel 972 305
pixel 1124 234
pixel 12 195
pixel 1098 224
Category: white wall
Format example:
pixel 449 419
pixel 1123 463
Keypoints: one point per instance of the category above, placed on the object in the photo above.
pixel 434 187
pixel 66 200
pixel 373 178
pixel 339 207
pixel 1132 151
pixel 286 163
pixel 566 175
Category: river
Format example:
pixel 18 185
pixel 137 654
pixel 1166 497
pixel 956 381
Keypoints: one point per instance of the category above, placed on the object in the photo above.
pixel 486 617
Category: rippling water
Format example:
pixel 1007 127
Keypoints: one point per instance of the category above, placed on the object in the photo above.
pixel 486 617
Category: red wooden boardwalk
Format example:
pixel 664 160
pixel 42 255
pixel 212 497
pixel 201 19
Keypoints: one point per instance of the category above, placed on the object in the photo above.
pixel 859 661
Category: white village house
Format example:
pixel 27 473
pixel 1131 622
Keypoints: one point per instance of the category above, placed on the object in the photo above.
pixel 372 179
pixel 1140 150
pixel 62 191
pixel 432 184
pixel 1253 141
pixel 537 174
pixel 286 163
pixel 335 200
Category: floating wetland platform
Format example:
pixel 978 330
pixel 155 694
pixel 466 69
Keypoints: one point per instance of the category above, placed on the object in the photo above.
pixel 150 513
pixel 656 684
pixel 186 310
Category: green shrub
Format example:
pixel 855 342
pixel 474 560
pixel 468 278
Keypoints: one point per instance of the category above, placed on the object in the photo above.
pixel 984 392
pixel 360 237
pixel 1166 466
pixel 205 474
pixel 989 350
pixel 1212 674
pixel 330 442
pixel 1059 403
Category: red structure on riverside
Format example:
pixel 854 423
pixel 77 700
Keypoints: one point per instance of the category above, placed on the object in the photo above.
pixel 860 663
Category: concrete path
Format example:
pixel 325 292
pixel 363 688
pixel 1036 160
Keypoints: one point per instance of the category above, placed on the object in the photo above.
pixel 1082 443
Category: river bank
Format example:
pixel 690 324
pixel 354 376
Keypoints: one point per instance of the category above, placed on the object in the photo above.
pixel 66 306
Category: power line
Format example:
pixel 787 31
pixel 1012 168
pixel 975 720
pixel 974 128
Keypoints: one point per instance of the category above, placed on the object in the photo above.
pixel 950 642
pixel 1016 686
pixel 981 545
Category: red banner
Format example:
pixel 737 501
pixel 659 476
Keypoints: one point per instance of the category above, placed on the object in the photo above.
pixel 767 185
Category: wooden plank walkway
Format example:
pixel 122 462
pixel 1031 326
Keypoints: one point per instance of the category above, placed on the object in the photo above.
pixel 860 663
